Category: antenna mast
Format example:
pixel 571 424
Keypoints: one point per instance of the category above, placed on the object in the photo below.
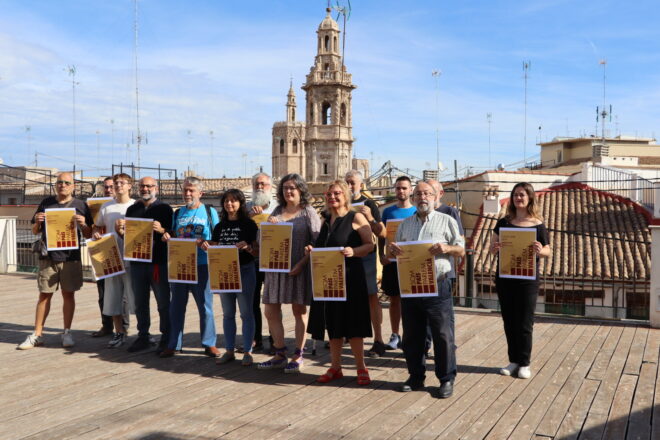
pixel 526 66
pixel 137 94
pixel 71 70
pixel 603 112
pixel 489 117
pixel 436 74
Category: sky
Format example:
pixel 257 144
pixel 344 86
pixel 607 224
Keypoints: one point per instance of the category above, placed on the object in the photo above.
pixel 213 77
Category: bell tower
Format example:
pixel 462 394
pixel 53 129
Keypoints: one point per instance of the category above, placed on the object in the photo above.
pixel 328 130
pixel 288 141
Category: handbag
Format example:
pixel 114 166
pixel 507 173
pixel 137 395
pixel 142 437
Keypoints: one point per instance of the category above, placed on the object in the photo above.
pixel 39 248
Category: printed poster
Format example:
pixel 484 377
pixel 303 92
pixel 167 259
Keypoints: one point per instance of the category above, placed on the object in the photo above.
pixel 224 269
pixel 391 227
pixel 416 270
pixel 61 229
pixel 517 257
pixel 260 218
pixel 328 274
pixel 275 247
pixel 105 257
pixel 95 203
pixel 357 206
pixel 138 239
pixel 182 260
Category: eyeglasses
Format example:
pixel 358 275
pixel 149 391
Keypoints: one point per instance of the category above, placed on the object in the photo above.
pixel 289 188
pixel 425 194
pixel 334 194
pixel 147 186
pixel 108 186
pixel 64 182
pixel 121 183
pixel 262 184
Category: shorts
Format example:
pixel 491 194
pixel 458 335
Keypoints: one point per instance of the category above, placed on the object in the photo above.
pixel 389 280
pixel 65 275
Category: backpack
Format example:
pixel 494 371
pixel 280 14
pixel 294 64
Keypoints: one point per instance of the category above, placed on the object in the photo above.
pixel 208 217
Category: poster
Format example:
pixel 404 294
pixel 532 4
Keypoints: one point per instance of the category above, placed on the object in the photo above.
pixel 357 206
pixel 328 274
pixel 105 258
pixel 275 247
pixel 224 269
pixel 517 257
pixel 182 260
pixel 391 227
pixel 61 229
pixel 138 239
pixel 94 204
pixel 260 218
pixel 416 270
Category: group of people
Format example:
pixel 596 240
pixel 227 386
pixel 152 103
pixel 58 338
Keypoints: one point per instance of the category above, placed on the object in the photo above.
pixel 350 221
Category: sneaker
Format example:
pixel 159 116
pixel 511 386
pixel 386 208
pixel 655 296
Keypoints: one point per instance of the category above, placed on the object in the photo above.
pixel 141 343
pixel 30 342
pixel 225 358
pixel 117 340
pixel 247 360
pixel 524 372
pixel 509 369
pixel 377 350
pixel 67 339
pixel 395 342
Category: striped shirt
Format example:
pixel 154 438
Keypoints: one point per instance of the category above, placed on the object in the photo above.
pixel 436 227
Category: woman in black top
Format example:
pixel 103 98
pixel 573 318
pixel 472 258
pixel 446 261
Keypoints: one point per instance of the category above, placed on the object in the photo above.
pixel 344 319
pixel 237 228
pixel 518 296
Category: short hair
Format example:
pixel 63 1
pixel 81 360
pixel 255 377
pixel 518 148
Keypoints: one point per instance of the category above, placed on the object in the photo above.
pixel 108 178
pixel 297 179
pixel 235 194
pixel 256 176
pixel 123 176
pixel 194 181
pixel 355 173
pixel 401 178
pixel 344 189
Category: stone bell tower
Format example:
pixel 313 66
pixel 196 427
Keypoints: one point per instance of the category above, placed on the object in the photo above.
pixel 328 145
pixel 288 154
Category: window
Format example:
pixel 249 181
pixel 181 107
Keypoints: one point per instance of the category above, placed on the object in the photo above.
pixel 293 114
pixel 325 168
pixel 281 146
pixel 335 44
pixel 342 114
pixel 327 43
pixel 295 146
pixel 311 113
pixel 326 114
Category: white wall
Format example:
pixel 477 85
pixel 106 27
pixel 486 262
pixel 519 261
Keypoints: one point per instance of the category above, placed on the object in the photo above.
pixel 8 255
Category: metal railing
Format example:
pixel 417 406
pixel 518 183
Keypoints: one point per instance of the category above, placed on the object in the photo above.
pixel 624 183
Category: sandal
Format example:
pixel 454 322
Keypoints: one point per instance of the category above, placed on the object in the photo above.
pixel 330 375
pixel 295 366
pixel 274 363
pixel 363 377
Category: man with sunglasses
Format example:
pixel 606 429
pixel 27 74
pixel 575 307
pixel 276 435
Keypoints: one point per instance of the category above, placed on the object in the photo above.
pixel 60 269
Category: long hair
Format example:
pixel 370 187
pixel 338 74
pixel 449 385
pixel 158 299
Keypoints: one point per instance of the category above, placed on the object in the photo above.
pixel 344 189
pixel 235 194
pixel 300 184
pixel 532 209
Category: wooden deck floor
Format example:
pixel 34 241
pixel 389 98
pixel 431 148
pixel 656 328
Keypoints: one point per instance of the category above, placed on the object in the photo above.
pixel 591 380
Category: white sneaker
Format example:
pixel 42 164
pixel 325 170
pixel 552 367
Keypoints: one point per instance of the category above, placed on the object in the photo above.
pixel 524 372
pixel 30 342
pixel 509 369
pixel 117 340
pixel 67 339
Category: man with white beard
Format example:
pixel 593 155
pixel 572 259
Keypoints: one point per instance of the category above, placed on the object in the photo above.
pixel 262 203
pixel 436 311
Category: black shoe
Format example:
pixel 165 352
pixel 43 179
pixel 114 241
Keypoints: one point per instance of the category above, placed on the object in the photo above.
pixel 258 346
pixel 410 385
pixel 141 343
pixel 446 389
pixel 102 332
pixel 377 350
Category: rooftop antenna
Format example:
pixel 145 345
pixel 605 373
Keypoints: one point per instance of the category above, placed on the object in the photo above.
pixel 489 118
pixel 603 113
pixel 526 66
pixel 436 74
pixel 137 94
pixel 28 137
pixel 71 70
pixel 212 135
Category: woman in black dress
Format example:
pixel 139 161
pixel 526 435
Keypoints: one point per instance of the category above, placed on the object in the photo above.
pixel 518 296
pixel 344 319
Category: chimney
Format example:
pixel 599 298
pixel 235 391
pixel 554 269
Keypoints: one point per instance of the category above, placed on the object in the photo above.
pixel 491 200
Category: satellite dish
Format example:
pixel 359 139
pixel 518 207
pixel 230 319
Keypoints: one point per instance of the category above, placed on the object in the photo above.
pixel 441 167
pixel 500 167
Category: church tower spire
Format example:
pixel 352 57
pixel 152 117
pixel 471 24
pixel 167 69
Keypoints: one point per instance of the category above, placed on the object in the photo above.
pixel 291 104
pixel 288 153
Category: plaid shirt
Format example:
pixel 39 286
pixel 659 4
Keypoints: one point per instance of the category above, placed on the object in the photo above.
pixel 436 227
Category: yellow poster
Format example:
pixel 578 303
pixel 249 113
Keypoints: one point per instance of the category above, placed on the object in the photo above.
pixel 260 218
pixel 224 269
pixel 416 270
pixel 517 258
pixel 391 227
pixel 95 203
pixel 328 274
pixel 275 247
pixel 182 260
pixel 357 206
pixel 105 258
pixel 138 239
pixel 61 230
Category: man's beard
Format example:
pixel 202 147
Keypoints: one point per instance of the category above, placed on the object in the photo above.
pixel 401 198
pixel 148 196
pixel 192 203
pixel 260 198
pixel 424 208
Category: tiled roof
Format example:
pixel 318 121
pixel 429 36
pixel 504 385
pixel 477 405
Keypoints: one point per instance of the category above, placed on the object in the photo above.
pixel 592 233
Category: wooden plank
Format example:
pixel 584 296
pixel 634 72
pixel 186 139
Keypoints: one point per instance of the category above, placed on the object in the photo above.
pixel 618 417
pixel 601 362
pixel 572 424
pixel 652 349
pixel 639 427
pixel 655 419
pixel 634 361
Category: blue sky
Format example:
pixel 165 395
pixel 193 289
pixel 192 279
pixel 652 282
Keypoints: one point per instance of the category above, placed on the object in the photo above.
pixel 225 66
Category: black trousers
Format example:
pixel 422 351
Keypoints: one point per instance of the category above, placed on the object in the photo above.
pixel 256 306
pixel 437 313
pixel 106 321
pixel 517 303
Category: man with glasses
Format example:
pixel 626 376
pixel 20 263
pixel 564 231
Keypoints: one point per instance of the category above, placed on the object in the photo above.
pixel 60 269
pixel 117 288
pixel 154 274
pixel 436 311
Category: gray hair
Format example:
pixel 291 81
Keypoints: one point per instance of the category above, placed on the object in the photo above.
pixel 256 176
pixel 355 173
pixel 194 181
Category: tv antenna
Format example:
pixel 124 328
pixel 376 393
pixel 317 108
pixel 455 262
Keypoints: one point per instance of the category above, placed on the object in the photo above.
pixel 137 93
pixel 603 113
pixel 489 118
pixel 526 66
pixel 436 74
pixel 71 70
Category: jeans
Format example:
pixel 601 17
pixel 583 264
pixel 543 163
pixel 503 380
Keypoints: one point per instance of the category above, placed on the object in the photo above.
pixel 145 276
pixel 204 300
pixel 244 298
pixel 438 313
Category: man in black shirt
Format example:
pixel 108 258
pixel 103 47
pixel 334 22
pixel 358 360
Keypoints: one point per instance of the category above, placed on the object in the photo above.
pixel 60 269
pixel 150 275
